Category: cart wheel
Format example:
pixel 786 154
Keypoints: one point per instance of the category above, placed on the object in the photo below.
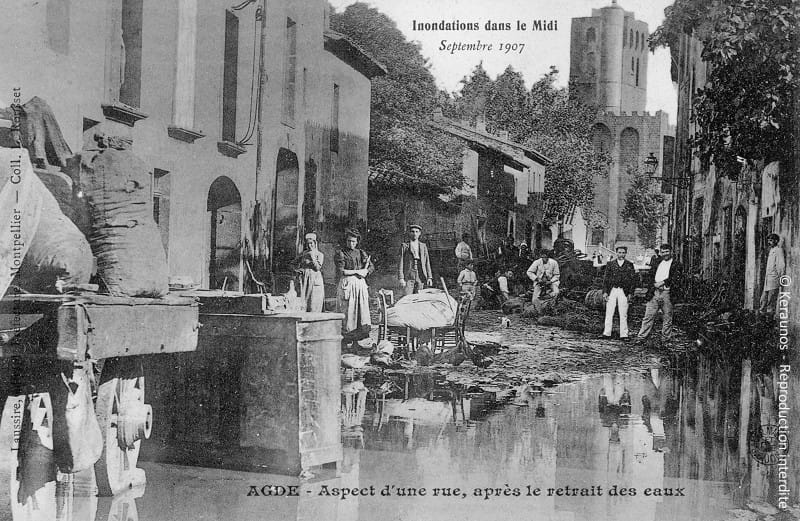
pixel 124 420
pixel 33 479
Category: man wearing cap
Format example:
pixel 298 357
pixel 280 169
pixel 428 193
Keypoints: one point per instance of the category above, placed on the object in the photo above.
pixel 415 263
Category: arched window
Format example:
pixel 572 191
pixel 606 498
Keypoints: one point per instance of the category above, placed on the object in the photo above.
pixel 637 72
pixel 636 43
pixel 631 63
pixel 628 149
pixel 590 35
pixel 630 39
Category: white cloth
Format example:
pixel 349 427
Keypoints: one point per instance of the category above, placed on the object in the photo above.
pixel 770 189
pixel 424 310
pixel 776 266
pixel 463 251
pixel 616 299
pixel 20 210
pixel 414 246
pixel 538 268
pixel 662 273
pixel 502 282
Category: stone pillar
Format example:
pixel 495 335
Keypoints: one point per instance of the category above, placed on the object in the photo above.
pixel 614 173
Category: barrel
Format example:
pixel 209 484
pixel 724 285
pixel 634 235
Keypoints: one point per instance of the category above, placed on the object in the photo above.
pixel 594 299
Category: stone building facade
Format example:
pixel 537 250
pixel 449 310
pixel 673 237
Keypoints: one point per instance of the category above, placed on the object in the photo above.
pixel 722 219
pixel 180 79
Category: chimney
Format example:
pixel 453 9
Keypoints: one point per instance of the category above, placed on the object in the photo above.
pixel 326 17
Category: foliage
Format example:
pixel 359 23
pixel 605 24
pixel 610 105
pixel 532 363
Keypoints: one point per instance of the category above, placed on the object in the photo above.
pixel 545 119
pixel 746 106
pixel 644 205
pixel 405 152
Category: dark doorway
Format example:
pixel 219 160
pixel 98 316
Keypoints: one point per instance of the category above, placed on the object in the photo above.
pixel 285 233
pixel 225 260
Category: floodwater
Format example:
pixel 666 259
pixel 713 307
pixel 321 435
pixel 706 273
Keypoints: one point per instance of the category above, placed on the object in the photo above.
pixel 661 445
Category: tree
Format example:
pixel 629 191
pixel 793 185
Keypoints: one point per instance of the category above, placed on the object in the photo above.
pixel 405 151
pixel 746 107
pixel 546 119
pixel 644 206
pixel 470 101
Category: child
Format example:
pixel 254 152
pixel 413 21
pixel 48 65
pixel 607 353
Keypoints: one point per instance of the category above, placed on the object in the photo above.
pixel 467 280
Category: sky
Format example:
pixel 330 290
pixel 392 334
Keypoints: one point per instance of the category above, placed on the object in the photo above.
pixel 542 48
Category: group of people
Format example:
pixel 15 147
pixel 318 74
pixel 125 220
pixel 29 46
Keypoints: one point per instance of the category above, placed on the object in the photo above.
pixel 620 280
pixel 353 265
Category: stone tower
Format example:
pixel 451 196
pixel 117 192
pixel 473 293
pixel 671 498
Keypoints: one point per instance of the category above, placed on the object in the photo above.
pixel 608 60
pixel 608 69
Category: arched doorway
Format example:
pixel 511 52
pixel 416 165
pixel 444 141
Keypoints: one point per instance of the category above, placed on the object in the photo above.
pixel 225 214
pixel 284 236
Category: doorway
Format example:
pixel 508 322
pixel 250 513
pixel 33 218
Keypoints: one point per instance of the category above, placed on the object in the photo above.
pixel 284 236
pixel 224 209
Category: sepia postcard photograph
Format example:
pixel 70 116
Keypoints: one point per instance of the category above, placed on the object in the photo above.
pixel 399 260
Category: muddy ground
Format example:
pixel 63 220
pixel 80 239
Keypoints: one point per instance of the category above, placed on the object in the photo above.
pixel 545 355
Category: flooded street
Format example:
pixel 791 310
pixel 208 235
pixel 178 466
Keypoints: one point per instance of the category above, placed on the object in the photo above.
pixel 660 444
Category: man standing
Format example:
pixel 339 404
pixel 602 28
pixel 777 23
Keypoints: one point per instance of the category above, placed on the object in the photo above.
pixel 544 272
pixel 463 251
pixel 618 285
pixel 776 266
pixel 666 285
pixel 415 264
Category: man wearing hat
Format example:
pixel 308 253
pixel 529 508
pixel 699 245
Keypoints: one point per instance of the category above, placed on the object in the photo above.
pixel 415 263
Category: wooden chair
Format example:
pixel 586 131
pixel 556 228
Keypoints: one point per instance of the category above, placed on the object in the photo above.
pixel 442 338
pixel 398 335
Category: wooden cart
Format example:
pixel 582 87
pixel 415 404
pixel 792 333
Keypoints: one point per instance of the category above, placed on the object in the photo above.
pixel 83 337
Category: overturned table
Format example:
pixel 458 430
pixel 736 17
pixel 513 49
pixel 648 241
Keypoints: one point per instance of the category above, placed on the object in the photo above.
pixel 56 340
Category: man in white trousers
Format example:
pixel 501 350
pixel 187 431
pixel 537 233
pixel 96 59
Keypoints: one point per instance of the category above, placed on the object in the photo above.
pixel 618 285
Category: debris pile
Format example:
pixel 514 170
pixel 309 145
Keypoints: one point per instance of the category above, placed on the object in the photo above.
pixel 565 313
pixel 733 334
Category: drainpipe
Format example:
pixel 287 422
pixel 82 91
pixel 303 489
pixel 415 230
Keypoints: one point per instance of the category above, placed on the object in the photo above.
pixel 261 14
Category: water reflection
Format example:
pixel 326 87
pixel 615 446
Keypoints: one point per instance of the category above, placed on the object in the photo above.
pixel 669 445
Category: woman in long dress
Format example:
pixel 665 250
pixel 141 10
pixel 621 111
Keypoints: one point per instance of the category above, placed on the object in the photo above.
pixel 352 295
pixel 309 265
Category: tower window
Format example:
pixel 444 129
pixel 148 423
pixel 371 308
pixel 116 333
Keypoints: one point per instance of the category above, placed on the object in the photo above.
pixel 636 43
pixel 630 39
pixel 637 72
pixel 590 35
